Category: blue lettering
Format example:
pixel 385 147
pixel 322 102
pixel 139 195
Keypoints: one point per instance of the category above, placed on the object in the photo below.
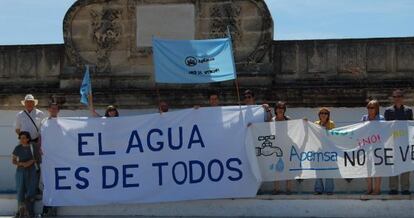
pixel 195 131
pixel 159 143
pixel 334 156
pixel 202 169
pixel 81 143
pixel 104 175
pixel 221 170
pixel 57 178
pixel 170 141
pixel 160 165
pixel 101 151
pixel 81 179
pixel 174 173
pixel 238 171
pixel 326 156
pixel 312 156
pixel 134 135
pixel 129 175
pixel 293 153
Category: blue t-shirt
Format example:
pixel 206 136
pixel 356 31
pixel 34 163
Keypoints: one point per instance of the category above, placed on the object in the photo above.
pixel 23 153
pixel 378 117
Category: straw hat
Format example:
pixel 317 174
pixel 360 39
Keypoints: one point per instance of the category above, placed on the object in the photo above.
pixel 29 97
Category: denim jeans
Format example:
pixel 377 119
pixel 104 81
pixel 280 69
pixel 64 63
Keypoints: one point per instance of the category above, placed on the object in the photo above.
pixel 26 183
pixel 328 188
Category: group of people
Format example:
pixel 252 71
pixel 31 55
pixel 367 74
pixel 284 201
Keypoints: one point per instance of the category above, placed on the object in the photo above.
pixel 27 155
pixel 398 111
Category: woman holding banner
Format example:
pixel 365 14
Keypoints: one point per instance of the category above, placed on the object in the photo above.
pixel 280 109
pixel 373 114
pixel 326 122
pixel 111 111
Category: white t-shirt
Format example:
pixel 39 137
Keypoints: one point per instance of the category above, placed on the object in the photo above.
pixel 24 123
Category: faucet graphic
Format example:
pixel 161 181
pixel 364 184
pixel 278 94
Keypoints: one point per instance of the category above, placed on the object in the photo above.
pixel 267 148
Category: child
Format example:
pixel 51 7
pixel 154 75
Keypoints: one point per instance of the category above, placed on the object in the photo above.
pixel 24 157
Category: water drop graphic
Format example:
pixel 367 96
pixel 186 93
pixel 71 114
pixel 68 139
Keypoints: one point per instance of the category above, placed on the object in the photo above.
pixel 280 165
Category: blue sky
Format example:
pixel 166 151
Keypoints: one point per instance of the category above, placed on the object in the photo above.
pixel 40 21
pixel 321 19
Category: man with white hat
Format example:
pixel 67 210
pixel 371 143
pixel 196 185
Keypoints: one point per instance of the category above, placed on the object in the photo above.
pixel 30 118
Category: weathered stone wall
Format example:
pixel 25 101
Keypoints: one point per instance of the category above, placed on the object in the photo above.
pixel 29 69
pixel 30 66
pixel 342 72
pixel 348 59
pixel 306 73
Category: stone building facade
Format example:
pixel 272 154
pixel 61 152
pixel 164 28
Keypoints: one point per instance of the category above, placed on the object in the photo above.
pixel 114 38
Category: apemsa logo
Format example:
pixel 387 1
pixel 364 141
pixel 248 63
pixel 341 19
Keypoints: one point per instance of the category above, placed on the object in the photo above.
pixel 193 61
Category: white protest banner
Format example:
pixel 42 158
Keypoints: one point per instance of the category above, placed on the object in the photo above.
pixel 300 149
pixel 183 155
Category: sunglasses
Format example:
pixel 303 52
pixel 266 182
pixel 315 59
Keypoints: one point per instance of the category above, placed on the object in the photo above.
pixel 248 96
pixel 370 108
pixel 280 108
pixel 323 113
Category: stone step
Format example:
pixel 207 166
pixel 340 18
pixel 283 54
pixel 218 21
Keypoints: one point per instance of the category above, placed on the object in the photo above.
pixel 305 205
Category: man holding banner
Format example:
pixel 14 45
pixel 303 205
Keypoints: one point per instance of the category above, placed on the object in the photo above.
pixel 248 98
pixel 214 99
pixel 399 111
pixel 30 118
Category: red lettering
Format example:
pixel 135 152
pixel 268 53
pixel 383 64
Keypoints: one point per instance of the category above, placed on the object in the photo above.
pixel 369 140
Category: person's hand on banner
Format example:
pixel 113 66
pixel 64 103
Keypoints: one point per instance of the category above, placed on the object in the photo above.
pixel 268 112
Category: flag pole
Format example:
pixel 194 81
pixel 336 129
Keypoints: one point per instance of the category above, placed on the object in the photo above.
pixel 156 84
pixel 90 96
pixel 158 97
pixel 90 99
pixel 236 81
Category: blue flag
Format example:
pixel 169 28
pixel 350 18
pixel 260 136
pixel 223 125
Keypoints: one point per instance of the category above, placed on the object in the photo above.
pixel 86 87
pixel 193 61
